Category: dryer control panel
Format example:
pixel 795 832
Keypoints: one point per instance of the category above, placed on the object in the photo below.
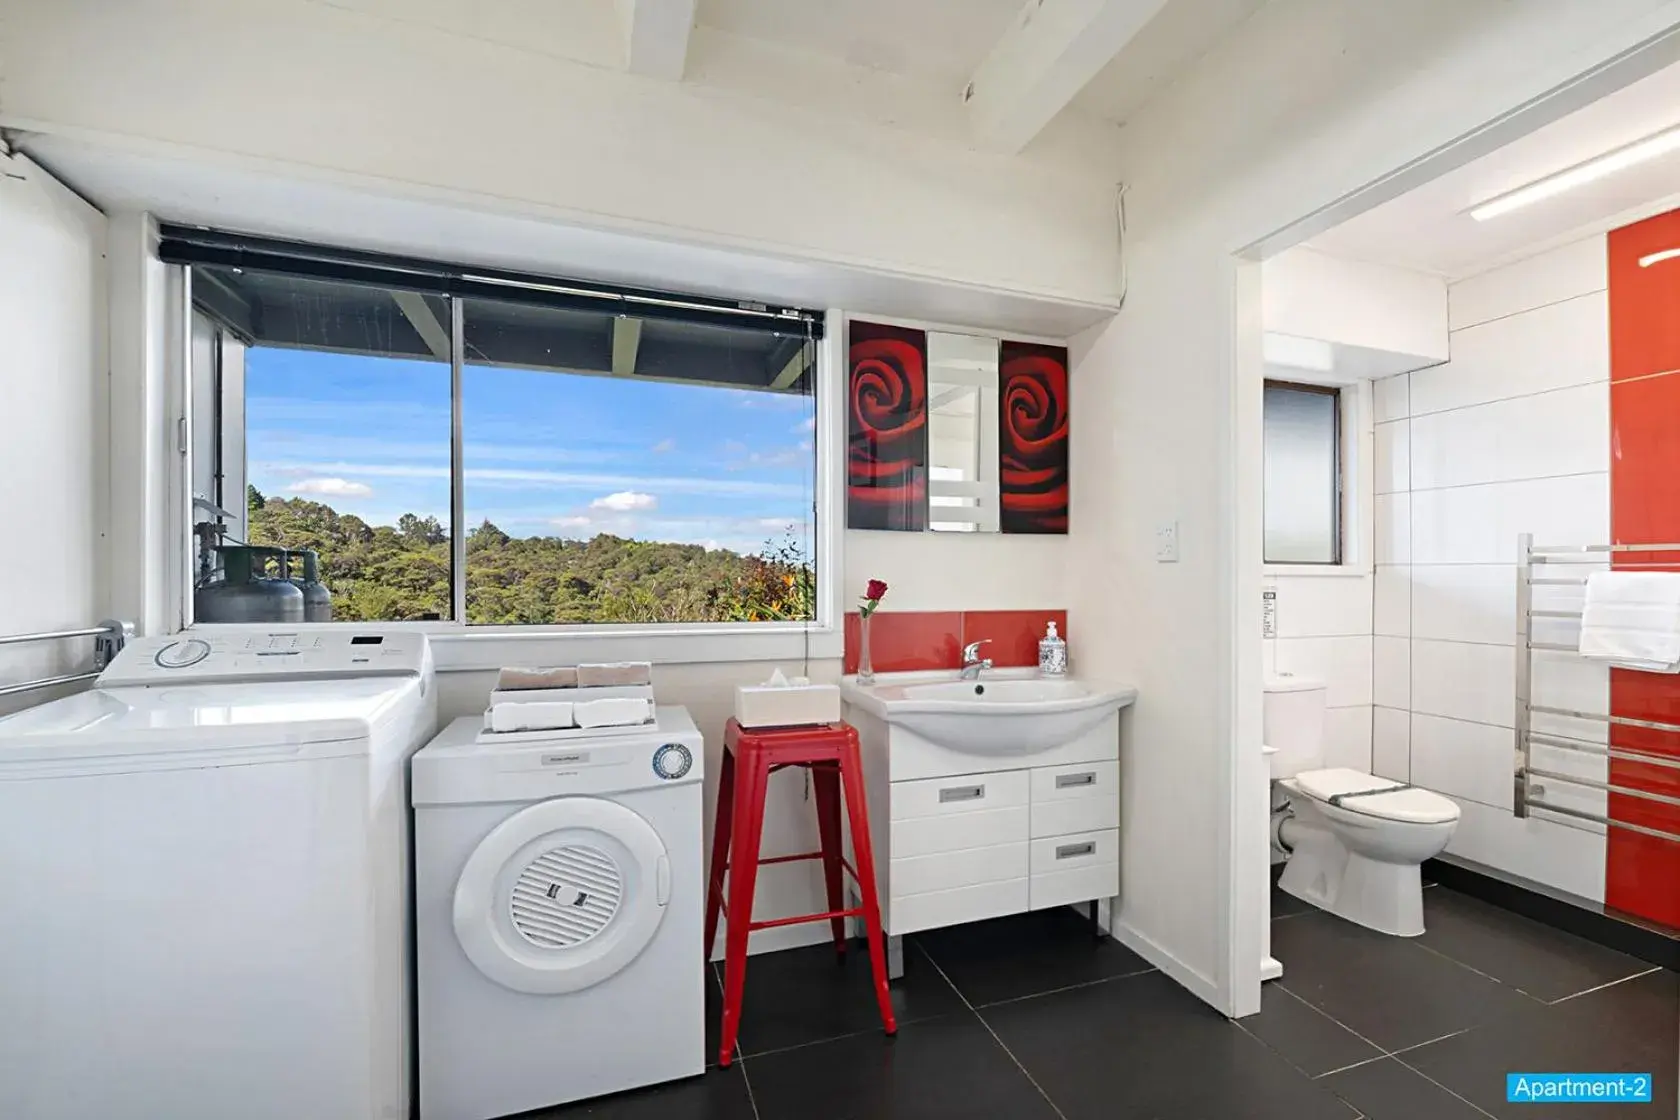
pixel 209 657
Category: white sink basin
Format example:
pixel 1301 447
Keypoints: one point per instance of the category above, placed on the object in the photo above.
pixel 994 715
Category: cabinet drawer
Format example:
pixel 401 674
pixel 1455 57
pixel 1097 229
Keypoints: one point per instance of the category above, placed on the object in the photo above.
pixel 910 913
pixel 1086 814
pixel 965 793
pixel 1072 783
pixel 1075 868
pixel 986 828
pixel 950 870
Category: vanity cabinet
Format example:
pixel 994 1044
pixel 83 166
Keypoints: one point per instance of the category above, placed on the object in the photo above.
pixel 989 833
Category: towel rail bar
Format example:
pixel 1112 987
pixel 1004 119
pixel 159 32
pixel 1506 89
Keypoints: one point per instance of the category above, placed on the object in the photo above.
pixel 1564 743
pixel 1625 826
pixel 110 637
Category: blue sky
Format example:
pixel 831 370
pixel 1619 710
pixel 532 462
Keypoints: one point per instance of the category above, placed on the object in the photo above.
pixel 546 454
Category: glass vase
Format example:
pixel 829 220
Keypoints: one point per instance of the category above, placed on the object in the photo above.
pixel 865 668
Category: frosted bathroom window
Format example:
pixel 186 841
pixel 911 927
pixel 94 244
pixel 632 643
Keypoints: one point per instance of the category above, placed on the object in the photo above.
pixel 1303 474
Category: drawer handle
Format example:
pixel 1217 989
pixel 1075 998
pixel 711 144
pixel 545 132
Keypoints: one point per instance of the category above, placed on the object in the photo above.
pixel 1064 781
pixel 961 793
pixel 1068 851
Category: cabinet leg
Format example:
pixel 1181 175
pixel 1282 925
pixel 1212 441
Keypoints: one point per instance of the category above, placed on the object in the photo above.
pixel 895 958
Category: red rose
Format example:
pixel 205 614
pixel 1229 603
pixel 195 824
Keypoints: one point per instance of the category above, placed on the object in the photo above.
pixel 875 590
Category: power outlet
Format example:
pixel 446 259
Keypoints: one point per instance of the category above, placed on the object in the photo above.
pixel 1166 543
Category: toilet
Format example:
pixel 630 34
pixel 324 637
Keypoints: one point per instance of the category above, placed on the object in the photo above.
pixel 1354 841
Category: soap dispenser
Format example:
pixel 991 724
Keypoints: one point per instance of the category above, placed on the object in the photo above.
pixel 1052 653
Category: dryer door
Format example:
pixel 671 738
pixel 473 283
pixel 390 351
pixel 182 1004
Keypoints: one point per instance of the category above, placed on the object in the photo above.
pixel 562 895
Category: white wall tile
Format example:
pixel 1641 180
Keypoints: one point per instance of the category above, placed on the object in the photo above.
pixel 1347 738
pixel 1551 277
pixel 1391 672
pixel 1479 524
pixel 1343 664
pixel 1550 347
pixel 1464 681
pixel 1563 680
pixel 1556 433
pixel 1393 457
pixel 1392 514
pixel 1392 397
pixel 1467 760
pixel 1564 858
pixel 1465 602
pixel 1391 743
pixel 1323 606
pixel 1391 611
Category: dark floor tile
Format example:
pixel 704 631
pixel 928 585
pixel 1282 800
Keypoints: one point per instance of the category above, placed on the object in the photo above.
pixel 1026 955
pixel 947 1068
pixel 1311 1041
pixel 1143 1046
pixel 1545 962
pixel 806 995
pixel 1387 1090
pixel 1387 989
pixel 717 1094
pixel 1628 1027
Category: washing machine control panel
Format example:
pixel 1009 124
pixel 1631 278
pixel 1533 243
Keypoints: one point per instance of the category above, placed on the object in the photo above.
pixel 226 655
pixel 672 761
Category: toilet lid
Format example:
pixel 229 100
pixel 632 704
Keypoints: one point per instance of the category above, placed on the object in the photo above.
pixel 1396 801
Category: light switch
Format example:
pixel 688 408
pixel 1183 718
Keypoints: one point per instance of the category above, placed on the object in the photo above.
pixel 1166 543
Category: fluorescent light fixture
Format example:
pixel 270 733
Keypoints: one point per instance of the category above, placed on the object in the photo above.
pixel 1657 258
pixel 1593 169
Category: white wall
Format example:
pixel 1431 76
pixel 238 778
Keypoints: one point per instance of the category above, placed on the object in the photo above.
pixel 53 486
pixel 1510 436
pixel 1307 103
pixel 1354 303
pixel 780 152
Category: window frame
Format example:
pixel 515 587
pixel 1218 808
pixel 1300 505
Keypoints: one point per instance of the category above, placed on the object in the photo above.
pixel 1339 530
pixel 460 646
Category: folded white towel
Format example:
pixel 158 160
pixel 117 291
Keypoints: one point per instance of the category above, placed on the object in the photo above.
pixel 1632 619
pixel 540 716
pixel 615 673
pixel 512 677
pixel 617 712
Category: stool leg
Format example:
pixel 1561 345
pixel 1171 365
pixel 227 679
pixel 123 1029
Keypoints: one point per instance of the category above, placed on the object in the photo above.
pixel 722 827
pixel 851 773
pixel 825 785
pixel 751 785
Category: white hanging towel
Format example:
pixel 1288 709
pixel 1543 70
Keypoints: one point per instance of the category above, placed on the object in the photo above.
pixel 540 716
pixel 1632 619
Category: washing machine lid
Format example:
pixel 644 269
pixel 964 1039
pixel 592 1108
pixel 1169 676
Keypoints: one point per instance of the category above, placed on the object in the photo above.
pixel 1355 792
pixel 207 725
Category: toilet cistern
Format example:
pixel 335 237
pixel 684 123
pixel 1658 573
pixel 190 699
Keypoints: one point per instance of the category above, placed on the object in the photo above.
pixel 972 662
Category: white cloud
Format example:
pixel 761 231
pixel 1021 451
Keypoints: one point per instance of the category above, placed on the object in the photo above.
pixel 573 522
pixel 664 446
pixel 332 488
pixel 626 501
pixel 552 480
pixel 809 424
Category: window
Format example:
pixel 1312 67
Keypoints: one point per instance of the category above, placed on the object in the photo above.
pixel 559 463
pixel 1303 481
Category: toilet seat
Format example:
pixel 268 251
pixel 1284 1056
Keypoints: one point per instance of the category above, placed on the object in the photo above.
pixel 1366 795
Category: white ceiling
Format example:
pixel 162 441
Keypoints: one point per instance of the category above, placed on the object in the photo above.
pixel 940 40
pixel 1181 33
pixel 1429 228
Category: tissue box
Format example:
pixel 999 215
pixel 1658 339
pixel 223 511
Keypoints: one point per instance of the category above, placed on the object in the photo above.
pixel 760 705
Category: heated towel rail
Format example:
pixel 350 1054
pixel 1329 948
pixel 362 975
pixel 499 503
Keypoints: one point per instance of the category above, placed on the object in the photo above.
pixel 1551 566
pixel 109 637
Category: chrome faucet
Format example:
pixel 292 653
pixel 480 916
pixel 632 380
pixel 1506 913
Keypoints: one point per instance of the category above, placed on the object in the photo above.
pixel 972 662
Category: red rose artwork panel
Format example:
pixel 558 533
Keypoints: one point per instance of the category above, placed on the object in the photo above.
pixel 1033 438
pixel 887 439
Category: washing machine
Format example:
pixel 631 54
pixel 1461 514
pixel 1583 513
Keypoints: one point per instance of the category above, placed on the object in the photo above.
pixel 558 904
pixel 203 882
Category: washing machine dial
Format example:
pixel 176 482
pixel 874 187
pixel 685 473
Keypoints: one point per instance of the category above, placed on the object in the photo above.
pixel 672 761
pixel 179 655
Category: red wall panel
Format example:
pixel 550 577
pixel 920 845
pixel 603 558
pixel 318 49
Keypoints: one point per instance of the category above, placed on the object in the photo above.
pixel 904 641
pixel 1642 873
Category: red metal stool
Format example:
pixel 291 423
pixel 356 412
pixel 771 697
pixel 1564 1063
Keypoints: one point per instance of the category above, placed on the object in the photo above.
pixel 830 752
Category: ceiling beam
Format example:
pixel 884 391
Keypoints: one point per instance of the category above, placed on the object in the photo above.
pixel 1050 53
pixel 656 36
pixel 626 341
pixel 419 314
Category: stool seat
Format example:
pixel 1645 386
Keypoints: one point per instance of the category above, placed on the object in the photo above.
pixel 830 752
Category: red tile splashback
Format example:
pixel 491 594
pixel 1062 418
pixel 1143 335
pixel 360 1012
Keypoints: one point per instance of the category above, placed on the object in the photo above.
pixel 905 641
pixel 1644 330
pixel 1642 873
pixel 1014 634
